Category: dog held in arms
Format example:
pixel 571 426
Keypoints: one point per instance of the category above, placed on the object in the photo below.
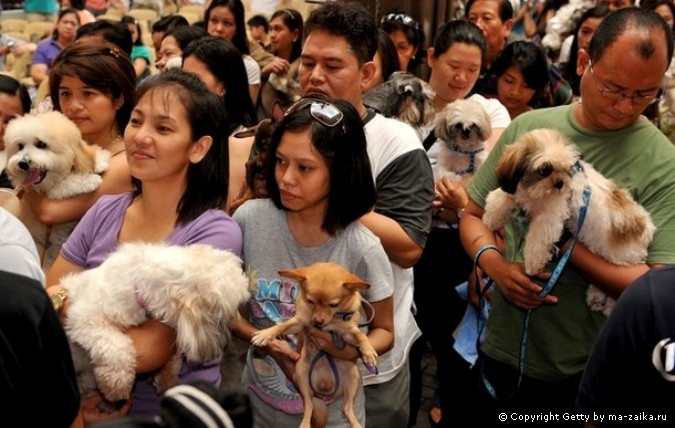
pixel 543 174
pixel 463 126
pixel 46 154
pixel 329 298
pixel 404 97
pixel 195 289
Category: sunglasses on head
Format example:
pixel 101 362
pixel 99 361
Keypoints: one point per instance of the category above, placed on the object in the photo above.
pixel 325 113
pixel 407 20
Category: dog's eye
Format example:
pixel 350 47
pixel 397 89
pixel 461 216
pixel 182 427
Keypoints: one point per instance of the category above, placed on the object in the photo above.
pixel 333 305
pixel 545 170
pixel 41 145
pixel 20 146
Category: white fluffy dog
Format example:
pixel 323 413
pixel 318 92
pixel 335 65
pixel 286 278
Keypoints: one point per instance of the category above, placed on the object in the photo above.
pixel 463 126
pixel 543 174
pixel 46 154
pixel 195 289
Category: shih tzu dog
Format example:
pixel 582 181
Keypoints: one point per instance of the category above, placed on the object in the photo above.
pixel 463 126
pixel 542 173
pixel 404 97
pixel 194 289
pixel 46 154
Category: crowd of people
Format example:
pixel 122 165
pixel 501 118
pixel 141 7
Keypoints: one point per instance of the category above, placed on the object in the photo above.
pixel 345 184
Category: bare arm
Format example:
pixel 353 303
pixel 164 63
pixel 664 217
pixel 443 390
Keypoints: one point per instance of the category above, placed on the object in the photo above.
pixel 400 248
pixel 140 64
pixel 49 211
pixel 38 72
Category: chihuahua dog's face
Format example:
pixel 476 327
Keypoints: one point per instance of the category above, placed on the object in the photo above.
pixel 539 163
pixel 326 289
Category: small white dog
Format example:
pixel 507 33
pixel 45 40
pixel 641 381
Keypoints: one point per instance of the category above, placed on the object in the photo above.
pixel 543 174
pixel 463 126
pixel 46 154
pixel 195 289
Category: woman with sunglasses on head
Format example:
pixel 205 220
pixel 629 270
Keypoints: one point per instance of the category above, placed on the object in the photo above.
pixel 320 183
pixel 407 36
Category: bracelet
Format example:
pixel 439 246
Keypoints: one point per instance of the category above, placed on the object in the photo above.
pixel 483 249
pixel 58 299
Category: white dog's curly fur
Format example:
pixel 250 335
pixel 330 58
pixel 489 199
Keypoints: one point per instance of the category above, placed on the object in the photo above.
pixel 463 126
pixel 46 154
pixel 542 173
pixel 195 289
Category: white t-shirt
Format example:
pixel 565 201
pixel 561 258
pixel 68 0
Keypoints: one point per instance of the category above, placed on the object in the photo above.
pixel 18 253
pixel 252 70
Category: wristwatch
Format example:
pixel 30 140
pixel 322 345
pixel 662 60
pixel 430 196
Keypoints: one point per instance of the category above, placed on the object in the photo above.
pixel 58 299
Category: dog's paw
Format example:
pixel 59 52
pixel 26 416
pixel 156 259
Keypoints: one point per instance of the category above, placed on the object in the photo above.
pixel 369 357
pixel 113 383
pixel 261 338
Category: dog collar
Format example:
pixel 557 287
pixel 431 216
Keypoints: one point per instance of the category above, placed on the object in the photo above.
pixel 347 315
pixel 472 158
pixel 577 167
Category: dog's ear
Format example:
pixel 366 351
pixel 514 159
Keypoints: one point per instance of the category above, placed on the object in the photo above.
pixel 297 274
pixel 85 158
pixel 353 283
pixel 511 168
pixel 277 112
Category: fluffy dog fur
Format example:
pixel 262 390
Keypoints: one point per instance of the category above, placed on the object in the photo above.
pixel 46 154
pixel 404 97
pixel 463 126
pixel 333 291
pixel 537 173
pixel 194 289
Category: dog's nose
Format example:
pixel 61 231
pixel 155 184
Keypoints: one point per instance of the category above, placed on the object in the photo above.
pixel 558 184
pixel 24 165
pixel 466 133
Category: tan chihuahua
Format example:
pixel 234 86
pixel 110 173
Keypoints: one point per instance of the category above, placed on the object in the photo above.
pixel 330 300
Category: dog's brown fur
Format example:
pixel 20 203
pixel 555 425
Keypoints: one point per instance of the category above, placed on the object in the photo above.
pixel 325 290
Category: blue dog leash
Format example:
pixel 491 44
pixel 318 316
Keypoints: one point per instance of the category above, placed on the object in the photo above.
pixel 555 275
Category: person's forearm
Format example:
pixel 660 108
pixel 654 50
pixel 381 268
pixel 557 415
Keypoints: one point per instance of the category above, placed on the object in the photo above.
pixel 400 248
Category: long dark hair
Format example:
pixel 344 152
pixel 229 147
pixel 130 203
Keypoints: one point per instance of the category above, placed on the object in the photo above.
pixel 240 40
pixel 293 20
pixel 207 180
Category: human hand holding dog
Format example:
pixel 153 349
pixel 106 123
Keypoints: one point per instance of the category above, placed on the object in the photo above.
pixel 517 287
pixel 323 340
pixel 451 197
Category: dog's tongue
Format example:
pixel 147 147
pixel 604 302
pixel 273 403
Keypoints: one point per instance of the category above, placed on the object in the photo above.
pixel 32 178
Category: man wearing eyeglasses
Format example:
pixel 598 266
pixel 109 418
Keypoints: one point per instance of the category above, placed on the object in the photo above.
pixel 337 61
pixel 621 74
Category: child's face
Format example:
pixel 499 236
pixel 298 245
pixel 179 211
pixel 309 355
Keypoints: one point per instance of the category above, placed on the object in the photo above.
pixel 513 92
pixel 301 173
pixel 257 32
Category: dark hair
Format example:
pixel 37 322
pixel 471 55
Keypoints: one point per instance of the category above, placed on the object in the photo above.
pixel 397 19
pixel 293 20
pixel 618 22
pixel 114 32
pixel 104 67
pixel 240 40
pixel 259 21
pixel 207 181
pixel 11 86
pixel 530 60
pixel 505 9
pixel 653 4
pixel 459 31
pixel 186 34
pixel 62 13
pixel 569 71
pixel 128 19
pixel 348 20
pixel 343 148
pixel 227 65
pixel 169 22
pixel 388 55
pixel 77 4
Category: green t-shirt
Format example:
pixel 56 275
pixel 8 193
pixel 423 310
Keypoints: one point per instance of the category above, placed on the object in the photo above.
pixel 639 158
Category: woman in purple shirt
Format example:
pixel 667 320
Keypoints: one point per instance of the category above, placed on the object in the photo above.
pixel 177 154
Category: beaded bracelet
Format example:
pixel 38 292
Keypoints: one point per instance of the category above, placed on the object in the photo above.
pixel 483 249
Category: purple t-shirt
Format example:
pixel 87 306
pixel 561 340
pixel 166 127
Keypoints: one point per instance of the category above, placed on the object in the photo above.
pixel 95 237
pixel 46 52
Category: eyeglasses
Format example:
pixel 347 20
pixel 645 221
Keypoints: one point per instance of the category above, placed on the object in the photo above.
pixel 401 17
pixel 324 112
pixel 618 95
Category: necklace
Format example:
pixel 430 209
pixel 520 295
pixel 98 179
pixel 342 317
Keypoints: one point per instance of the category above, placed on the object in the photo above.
pixel 114 143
